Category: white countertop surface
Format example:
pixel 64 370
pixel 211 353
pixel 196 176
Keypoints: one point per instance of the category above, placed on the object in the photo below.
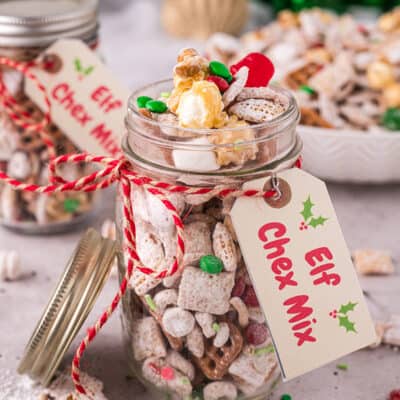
pixel 370 217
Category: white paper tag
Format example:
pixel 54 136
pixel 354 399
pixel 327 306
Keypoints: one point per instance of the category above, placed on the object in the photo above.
pixel 87 103
pixel 303 275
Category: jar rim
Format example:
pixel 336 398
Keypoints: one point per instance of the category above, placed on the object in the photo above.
pixel 288 116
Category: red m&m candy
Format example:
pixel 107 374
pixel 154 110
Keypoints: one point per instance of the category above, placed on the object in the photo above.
pixel 261 69
pixel 222 84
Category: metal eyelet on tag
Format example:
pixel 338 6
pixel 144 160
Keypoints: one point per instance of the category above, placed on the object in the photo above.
pixel 51 63
pixel 283 192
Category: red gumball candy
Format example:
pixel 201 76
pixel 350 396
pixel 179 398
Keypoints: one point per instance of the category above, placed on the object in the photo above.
pixel 249 297
pixel 394 395
pixel 256 333
pixel 222 84
pixel 261 69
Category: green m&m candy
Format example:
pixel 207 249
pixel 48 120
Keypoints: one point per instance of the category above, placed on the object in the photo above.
pixel 156 106
pixel 142 101
pixel 71 205
pixel 391 119
pixel 219 69
pixel 211 264
pixel 307 89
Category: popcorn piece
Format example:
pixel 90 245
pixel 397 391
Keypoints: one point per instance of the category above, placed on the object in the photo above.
pixel 373 262
pixel 236 150
pixel 10 265
pixel 224 247
pixel 178 322
pixel 392 333
pixel 191 67
pixel 220 390
pixel 201 107
pixel 195 342
pixel 199 291
pixel 147 339
pixel 197 237
pixel 380 75
pixel 391 95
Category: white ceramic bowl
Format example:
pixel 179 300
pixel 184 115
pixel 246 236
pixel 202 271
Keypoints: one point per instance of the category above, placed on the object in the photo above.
pixel 350 155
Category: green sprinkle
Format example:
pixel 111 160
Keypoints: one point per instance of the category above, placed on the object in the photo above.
pixel 264 350
pixel 342 367
pixel 142 101
pixel 156 106
pixel 216 327
pixel 391 119
pixel 71 205
pixel 307 89
pixel 185 381
pixel 219 69
pixel 286 397
pixel 165 95
pixel 237 146
pixel 211 264
pixel 150 302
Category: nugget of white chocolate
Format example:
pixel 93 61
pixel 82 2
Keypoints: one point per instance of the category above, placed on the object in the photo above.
pixel 201 107
pixel 373 262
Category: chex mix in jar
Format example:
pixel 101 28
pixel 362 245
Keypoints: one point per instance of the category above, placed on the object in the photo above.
pixel 201 333
pixel 26 29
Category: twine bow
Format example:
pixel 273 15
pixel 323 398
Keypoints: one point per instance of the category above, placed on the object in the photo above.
pixel 112 170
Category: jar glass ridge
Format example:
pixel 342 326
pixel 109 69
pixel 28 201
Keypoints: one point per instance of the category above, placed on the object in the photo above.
pixel 172 326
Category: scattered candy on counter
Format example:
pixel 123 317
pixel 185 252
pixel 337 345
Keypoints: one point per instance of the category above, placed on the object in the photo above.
pixel 10 265
pixel 342 367
pixel 286 397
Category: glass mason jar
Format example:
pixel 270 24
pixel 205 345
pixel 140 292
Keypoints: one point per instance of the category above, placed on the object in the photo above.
pixel 27 27
pixel 199 332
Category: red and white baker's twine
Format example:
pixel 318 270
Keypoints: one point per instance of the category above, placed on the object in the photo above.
pixel 114 170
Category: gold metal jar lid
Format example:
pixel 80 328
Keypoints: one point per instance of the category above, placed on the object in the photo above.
pixel 38 23
pixel 74 297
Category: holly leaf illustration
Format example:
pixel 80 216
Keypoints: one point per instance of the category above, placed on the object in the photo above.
pixel 347 324
pixel 345 308
pixel 78 65
pixel 308 205
pixel 88 70
pixel 318 221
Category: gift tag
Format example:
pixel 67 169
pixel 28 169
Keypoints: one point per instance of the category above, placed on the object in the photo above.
pixel 302 273
pixel 87 102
